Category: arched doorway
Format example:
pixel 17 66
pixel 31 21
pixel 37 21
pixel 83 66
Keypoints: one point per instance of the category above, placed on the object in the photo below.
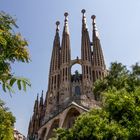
pixel 42 137
pixel 70 118
pixel 54 125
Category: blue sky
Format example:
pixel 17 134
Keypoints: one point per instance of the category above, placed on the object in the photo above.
pixel 118 24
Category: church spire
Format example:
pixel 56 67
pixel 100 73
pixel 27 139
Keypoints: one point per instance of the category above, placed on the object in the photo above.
pixel 36 105
pixel 57 26
pixel 65 47
pixel 84 24
pixel 41 100
pixel 85 54
pixel 55 59
pixel 85 44
pixel 95 31
pixel 99 68
pixel 41 109
pixel 65 59
pixel 65 89
pixel 56 50
pixel 54 75
pixel 30 128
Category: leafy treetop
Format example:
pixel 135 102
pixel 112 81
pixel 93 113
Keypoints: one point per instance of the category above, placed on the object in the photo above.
pixel 6 123
pixel 13 47
pixel 119 116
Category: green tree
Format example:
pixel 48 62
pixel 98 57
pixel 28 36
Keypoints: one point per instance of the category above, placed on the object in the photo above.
pixel 119 116
pixel 6 123
pixel 13 48
pixel 119 77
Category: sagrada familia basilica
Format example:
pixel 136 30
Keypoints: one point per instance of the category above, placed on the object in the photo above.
pixel 68 94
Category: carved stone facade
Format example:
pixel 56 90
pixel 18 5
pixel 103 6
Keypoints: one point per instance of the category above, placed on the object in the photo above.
pixel 18 135
pixel 68 94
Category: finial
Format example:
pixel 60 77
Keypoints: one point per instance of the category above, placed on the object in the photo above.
pixel 83 11
pixel 57 25
pixel 95 31
pixel 66 14
pixel 66 30
pixel 93 17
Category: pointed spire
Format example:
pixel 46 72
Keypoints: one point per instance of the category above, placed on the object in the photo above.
pixel 30 127
pixel 95 31
pixel 36 104
pixel 84 24
pixel 45 102
pixel 55 53
pixel 41 99
pixel 65 46
pixel 66 28
pixel 57 32
pixel 99 68
pixel 85 44
pixel 42 94
pixel 57 25
pixel 57 38
pixel 37 96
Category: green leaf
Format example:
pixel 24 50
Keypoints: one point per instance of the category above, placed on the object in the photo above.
pixel 24 85
pixel 12 81
pixel 19 84
pixel 9 88
pixel 3 87
pixel 3 42
pixel 6 122
pixel 13 48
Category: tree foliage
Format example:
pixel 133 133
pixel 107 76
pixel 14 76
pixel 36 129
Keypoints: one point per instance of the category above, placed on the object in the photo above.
pixel 119 116
pixel 13 48
pixel 6 123
pixel 119 77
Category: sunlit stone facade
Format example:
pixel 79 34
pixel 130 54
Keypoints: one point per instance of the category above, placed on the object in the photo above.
pixel 68 94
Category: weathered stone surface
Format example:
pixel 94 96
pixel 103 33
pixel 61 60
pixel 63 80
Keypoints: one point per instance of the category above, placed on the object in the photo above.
pixel 68 94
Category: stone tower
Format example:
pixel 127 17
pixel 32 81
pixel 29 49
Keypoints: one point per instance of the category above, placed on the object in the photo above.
pixel 68 94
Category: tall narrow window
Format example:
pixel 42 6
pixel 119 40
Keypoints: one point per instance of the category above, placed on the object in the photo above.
pixel 77 90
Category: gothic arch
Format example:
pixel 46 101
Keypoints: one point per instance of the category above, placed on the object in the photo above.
pixel 43 133
pixel 76 61
pixel 75 70
pixel 76 67
pixel 71 115
pixel 53 126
